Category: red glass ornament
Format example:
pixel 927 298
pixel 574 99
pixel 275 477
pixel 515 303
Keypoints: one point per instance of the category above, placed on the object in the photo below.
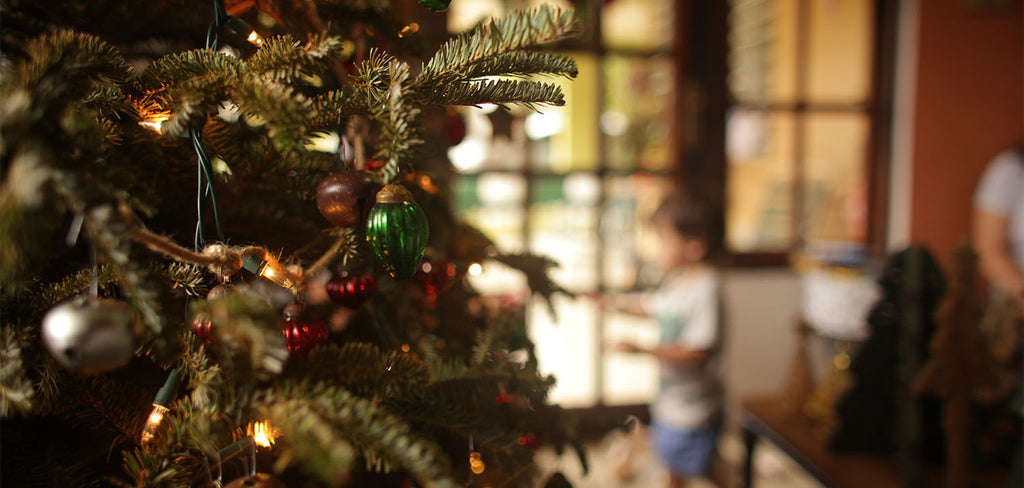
pixel 303 333
pixel 529 441
pixel 436 277
pixel 352 290
pixel 202 327
pixel 454 127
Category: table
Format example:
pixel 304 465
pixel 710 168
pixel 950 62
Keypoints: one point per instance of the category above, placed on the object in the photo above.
pixel 770 420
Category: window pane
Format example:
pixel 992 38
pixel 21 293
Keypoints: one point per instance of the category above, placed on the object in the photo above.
pixel 563 227
pixel 494 140
pixel 760 180
pixel 762 50
pixel 637 24
pixel 638 111
pixel 630 378
pixel 493 203
pixel 630 244
pixel 566 138
pixel 835 199
pixel 839 51
pixel 567 348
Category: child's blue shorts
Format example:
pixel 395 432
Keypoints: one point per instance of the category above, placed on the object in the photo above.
pixel 688 452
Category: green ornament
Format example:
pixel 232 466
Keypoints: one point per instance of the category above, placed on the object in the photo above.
pixel 397 230
pixel 435 5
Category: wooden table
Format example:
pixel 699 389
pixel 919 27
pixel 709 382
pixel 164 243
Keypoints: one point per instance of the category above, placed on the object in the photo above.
pixel 768 419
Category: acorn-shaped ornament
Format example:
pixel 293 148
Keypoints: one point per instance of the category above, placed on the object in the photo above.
pixel 90 336
pixel 397 230
pixel 343 198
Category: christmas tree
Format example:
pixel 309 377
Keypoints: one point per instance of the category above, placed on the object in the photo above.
pixel 228 228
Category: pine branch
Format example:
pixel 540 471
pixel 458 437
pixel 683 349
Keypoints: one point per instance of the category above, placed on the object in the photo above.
pixel 335 106
pixel 243 323
pixel 176 68
pixel 279 106
pixel 319 415
pixel 399 117
pixel 284 60
pixel 67 65
pixel 498 91
pixel 537 269
pixel 364 369
pixel 519 30
pixel 521 64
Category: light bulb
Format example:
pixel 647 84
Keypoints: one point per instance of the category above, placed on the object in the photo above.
pixel 262 433
pixel 153 422
pixel 255 38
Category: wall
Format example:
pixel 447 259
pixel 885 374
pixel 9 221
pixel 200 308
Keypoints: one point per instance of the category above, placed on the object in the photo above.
pixel 968 107
pixel 762 307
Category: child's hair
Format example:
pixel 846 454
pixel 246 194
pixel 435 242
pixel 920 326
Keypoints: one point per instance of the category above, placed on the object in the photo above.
pixel 692 216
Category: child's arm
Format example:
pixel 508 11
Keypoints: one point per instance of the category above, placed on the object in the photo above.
pixel 675 353
pixel 629 304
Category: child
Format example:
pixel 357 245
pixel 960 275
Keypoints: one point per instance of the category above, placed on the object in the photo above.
pixel 686 416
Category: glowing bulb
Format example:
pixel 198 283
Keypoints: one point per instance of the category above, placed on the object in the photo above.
pixel 153 422
pixel 475 464
pixel 255 38
pixel 155 122
pixel 271 270
pixel 409 30
pixel 262 433
pixel 476 269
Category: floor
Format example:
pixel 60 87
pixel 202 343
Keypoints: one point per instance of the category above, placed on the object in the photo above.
pixel 625 460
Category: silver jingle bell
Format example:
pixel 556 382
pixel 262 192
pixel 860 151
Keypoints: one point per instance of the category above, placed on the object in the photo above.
pixel 90 336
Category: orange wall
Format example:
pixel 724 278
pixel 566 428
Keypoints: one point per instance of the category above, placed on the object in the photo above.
pixel 969 106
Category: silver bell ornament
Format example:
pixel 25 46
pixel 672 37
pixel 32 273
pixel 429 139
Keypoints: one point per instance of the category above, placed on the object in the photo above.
pixel 90 336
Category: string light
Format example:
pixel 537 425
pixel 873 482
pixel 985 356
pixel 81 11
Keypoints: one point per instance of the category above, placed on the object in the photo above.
pixel 155 122
pixel 262 433
pixel 409 30
pixel 476 465
pixel 271 269
pixel 476 269
pixel 240 27
pixel 153 422
pixel 164 397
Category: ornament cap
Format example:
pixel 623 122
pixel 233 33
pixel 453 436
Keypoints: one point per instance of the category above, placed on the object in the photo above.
pixel 394 193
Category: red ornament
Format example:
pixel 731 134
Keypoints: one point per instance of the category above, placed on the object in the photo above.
pixel 529 441
pixel 302 333
pixel 375 164
pixel 352 290
pixel 202 327
pixel 502 399
pixel 454 127
pixel 436 277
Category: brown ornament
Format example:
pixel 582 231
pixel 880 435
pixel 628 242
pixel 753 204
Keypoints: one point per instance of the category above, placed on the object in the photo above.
pixel 345 198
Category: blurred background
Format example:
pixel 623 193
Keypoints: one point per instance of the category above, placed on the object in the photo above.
pixel 831 132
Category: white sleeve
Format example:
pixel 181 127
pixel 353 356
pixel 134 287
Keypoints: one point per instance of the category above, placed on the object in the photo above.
pixel 997 189
pixel 702 326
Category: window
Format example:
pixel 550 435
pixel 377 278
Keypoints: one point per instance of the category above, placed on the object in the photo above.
pixel 578 183
pixel 802 138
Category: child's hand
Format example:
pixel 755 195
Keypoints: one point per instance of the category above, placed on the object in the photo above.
pixel 627 347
